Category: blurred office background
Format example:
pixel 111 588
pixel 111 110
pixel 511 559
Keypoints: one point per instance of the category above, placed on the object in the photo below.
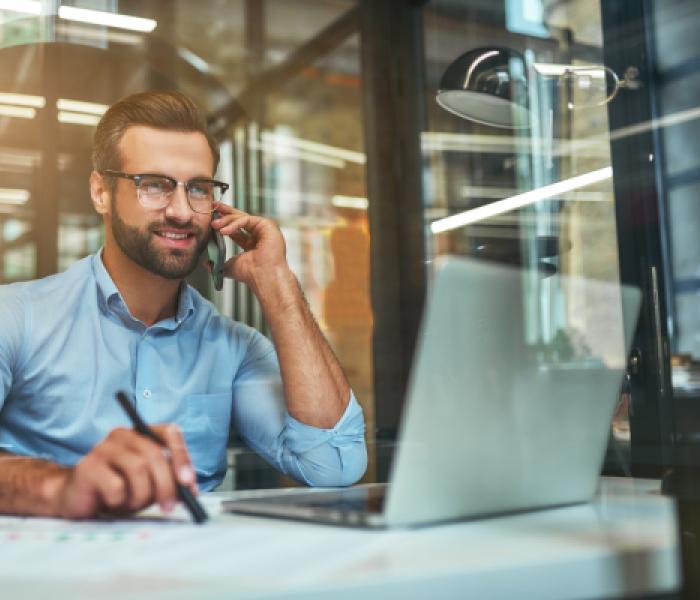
pixel 326 115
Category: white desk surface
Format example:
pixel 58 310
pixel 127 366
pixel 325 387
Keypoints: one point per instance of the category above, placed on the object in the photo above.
pixel 622 543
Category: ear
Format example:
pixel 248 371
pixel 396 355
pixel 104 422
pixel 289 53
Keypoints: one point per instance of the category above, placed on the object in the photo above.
pixel 99 193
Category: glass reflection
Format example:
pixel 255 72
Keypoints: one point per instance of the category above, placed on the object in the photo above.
pixel 293 152
pixel 540 196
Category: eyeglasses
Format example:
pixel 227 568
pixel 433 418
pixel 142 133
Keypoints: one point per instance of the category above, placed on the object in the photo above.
pixel 156 191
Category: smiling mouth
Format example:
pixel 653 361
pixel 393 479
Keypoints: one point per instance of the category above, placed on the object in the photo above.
pixel 174 236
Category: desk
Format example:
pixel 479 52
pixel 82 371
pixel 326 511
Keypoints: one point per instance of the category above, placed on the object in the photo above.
pixel 622 543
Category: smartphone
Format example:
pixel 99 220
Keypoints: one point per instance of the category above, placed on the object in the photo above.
pixel 216 248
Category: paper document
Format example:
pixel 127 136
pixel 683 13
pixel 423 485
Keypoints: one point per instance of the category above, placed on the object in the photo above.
pixel 172 553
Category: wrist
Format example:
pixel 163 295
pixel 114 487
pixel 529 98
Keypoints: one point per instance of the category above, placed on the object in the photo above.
pixel 51 491
pixel 277 290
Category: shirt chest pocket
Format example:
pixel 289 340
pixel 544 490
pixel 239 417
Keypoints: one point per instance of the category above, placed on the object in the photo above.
pixel 206 430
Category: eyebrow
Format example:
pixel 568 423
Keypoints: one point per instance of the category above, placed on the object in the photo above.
pixel 160 173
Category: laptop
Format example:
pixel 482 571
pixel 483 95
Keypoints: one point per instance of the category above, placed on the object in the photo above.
pixel 511 395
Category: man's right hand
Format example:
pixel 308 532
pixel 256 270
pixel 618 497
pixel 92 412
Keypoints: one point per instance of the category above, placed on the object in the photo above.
pixel 124 473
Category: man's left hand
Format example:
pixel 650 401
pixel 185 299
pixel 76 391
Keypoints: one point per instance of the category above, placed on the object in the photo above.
pixel 262 240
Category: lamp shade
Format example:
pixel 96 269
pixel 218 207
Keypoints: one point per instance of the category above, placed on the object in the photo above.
pixel 487 85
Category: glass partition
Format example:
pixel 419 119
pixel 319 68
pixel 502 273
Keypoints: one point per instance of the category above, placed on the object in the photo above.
pixel 295 96
pixel 281 84
pixel 555 138
pixel 538 192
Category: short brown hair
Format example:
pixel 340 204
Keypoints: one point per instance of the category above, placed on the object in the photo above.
pixel 168 110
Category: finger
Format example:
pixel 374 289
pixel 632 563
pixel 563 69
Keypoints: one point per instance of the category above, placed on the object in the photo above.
pixel 159 470
pixel 234 227
pixel 179 455
pixel 230 266
pixel 234 223
pixel 92 477
pixel 239 231
pixel 226 215
pixel 149 468
pixel 134 467
pixel 223 220
pixel 244 229
pixel 231 223
pixel 144 467
pixel 226 209
pixel 244 239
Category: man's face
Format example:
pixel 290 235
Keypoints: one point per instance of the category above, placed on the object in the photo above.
pixel 153 238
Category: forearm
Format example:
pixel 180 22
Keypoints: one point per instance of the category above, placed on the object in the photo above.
pixel 29 486
pixel 315 387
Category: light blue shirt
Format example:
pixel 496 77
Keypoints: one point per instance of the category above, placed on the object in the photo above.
pixel 68 343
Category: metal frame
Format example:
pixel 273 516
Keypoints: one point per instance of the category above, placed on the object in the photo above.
pixel 392 68
pixel 46 216
pixel 641 225
pixel 245 104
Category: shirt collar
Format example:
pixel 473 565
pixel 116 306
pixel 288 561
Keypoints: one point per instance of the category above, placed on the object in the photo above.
pixel 185 303
pixel 105 286
pixel 110 298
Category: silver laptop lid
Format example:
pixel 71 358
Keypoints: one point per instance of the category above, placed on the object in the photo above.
pixel 500 416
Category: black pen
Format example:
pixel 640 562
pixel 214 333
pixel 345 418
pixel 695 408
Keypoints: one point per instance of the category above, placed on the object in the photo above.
pixel 196 509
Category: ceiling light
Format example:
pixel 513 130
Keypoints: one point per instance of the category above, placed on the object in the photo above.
pixel 14 159
pixel 350 202
pixel 97 17
pixel 30 7
pixel 196 61
pixel 22 100
pixel 434 141
pixel 21 112
pixel 473 191
pixel 277 149
pixel 13 196
pixel 73 30
pixel 519 200
pixel 315 147
pixel 78 118
pixel 92 108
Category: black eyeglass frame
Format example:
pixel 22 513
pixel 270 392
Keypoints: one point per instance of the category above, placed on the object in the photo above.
pixel 137 177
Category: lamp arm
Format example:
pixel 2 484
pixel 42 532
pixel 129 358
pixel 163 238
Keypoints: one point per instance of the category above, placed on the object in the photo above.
pixel 629 81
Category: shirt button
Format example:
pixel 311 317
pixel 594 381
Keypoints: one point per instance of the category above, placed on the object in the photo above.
pixel 147 393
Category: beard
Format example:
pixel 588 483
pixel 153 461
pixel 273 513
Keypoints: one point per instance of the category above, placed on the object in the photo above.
pixel 140 247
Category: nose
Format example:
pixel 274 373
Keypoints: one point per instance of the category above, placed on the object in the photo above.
pixel 179 208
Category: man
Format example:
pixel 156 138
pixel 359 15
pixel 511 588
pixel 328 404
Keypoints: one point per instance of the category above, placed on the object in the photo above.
pixel 124 319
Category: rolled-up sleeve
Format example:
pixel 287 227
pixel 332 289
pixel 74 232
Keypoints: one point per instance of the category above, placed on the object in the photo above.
pixel 326 457
pixel 311 455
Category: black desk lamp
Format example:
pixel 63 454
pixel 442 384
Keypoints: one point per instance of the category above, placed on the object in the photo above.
pixel 489 86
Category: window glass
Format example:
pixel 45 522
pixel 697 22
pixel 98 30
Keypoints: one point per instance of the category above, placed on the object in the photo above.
pixel 526 181
pixel 291 139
